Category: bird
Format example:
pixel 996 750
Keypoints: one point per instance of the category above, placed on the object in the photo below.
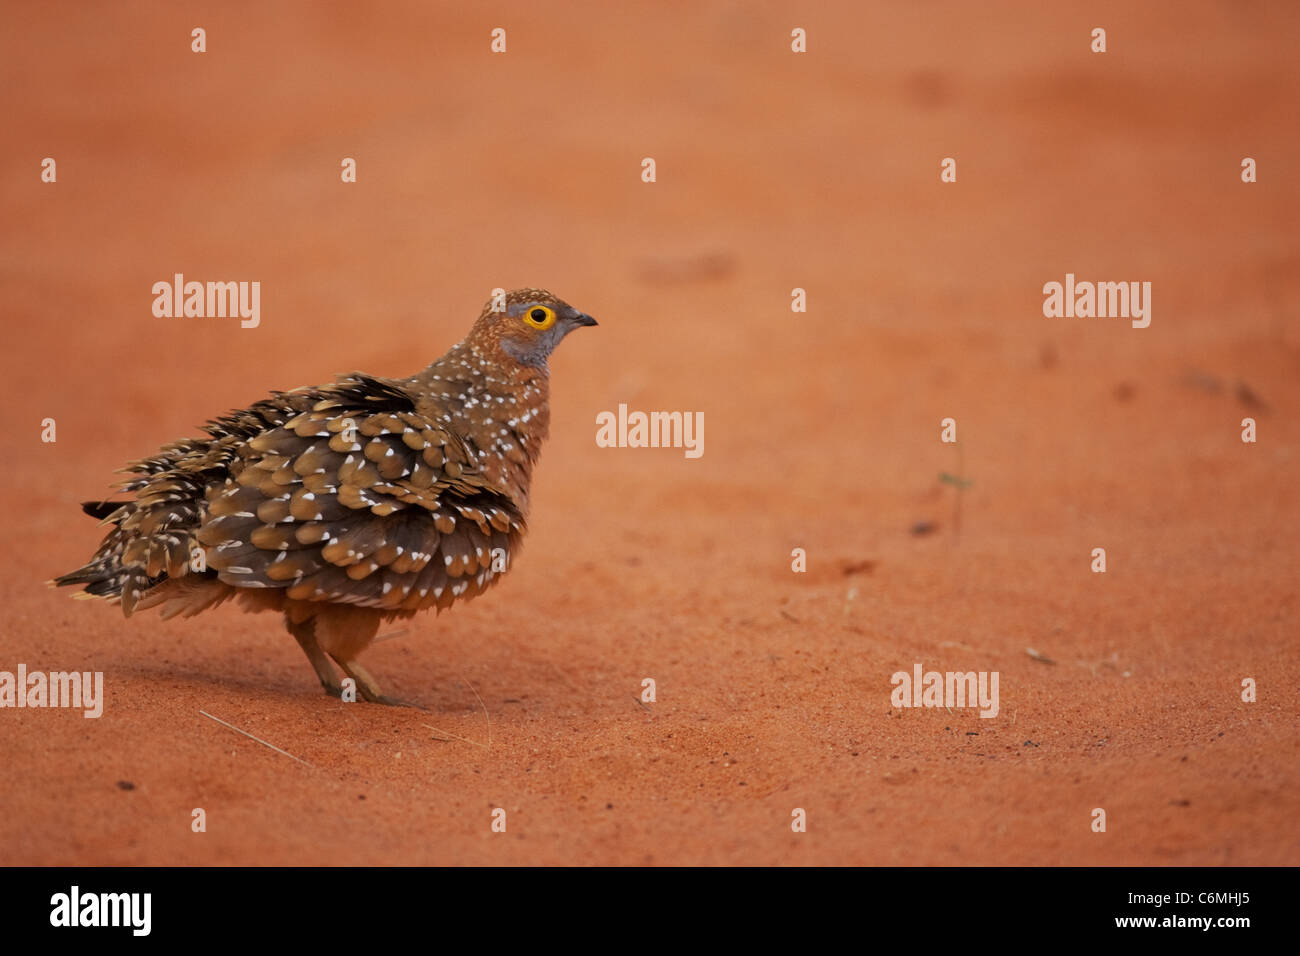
pixel 346 505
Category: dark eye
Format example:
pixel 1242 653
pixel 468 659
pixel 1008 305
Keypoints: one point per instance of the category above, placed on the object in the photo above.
pixel 540 317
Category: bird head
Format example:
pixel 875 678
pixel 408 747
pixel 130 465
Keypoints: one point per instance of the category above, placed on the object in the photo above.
pixel 528 325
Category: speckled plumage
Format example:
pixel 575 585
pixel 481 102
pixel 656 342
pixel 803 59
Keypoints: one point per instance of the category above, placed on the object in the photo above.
pixel 348 504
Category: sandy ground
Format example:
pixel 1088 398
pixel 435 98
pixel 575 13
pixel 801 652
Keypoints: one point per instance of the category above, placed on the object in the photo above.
pixel 775 171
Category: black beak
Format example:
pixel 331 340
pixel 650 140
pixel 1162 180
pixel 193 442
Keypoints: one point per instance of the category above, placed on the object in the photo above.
pixel 582 318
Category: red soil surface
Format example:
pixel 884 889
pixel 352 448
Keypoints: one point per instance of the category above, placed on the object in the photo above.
pixel 775 171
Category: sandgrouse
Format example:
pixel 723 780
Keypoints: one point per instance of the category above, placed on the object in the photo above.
pixel 347 504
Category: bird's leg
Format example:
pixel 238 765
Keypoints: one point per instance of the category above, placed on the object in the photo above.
pixel 305 634
pixel 368 687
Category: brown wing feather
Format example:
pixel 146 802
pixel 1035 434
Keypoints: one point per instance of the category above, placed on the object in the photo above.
pixel 343 493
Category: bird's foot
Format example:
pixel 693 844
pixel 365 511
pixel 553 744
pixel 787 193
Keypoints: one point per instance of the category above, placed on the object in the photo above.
pixel 368 687
pixel 395 702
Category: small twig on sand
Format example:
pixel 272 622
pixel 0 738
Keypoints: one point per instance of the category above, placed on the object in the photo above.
pixel 476 743
pixel 485 710
pixel 258 739
pixel 960 482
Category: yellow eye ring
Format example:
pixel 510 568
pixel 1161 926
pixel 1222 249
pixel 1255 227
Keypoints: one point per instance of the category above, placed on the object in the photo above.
pixel 540 317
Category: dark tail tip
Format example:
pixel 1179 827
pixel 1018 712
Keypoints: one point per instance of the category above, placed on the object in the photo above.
pixel 100 509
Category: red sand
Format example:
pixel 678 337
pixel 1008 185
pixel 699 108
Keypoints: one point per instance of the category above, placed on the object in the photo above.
pixel 774 171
